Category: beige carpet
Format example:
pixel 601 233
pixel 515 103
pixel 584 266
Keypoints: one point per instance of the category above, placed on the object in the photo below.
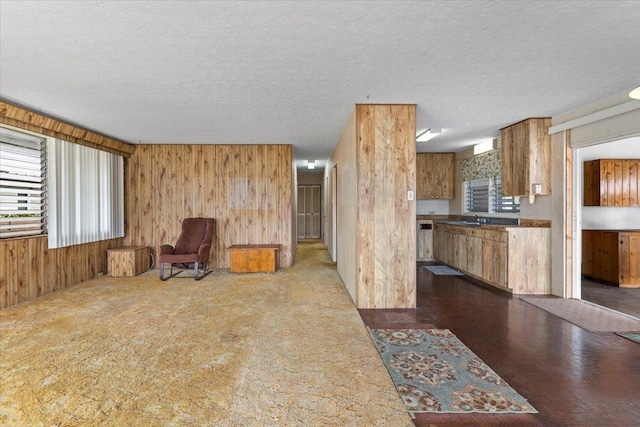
pixel 231 350
pixel 585 314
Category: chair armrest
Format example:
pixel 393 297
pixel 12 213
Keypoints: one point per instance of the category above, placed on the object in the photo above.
pixel 166 250
pixel 203 252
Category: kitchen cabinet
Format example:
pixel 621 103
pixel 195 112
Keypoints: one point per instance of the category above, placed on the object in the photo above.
pixel 611 182
pixel 612 256
pixel 515 259
pixel 435 176
pixel 526 158
pixel 424 240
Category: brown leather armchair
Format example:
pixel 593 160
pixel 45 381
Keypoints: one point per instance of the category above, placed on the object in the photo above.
pixel 191 250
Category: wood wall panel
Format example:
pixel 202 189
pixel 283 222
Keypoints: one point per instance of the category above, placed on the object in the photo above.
pixel 343 158
pixel 20 117
pixel 29 270
pixel 611 182
pixel 386 253
pixel 246 188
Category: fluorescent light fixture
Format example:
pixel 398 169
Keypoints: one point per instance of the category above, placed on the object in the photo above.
pixel 484 146
pixel 427 134
pixel 311 165
pixel 635 94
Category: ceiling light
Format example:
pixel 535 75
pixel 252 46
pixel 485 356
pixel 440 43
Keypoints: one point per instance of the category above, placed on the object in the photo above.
pixel 426 135
pixel 311 165
pixel 484 146
pixel 635 94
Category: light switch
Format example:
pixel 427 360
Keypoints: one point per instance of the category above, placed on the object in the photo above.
pixel 537 188
pixel 410 195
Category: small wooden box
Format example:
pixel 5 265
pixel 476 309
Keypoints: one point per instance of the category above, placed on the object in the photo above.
pixel 128 261
pixel 253 258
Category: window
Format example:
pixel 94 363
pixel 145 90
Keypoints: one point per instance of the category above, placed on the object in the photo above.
pixel 86 188
pixel 502 204
pixel 485 196
pixel 478 195
pixel 23 184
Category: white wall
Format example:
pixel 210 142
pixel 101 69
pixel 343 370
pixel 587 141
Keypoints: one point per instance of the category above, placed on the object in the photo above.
pixel 432 207
pixel 609 218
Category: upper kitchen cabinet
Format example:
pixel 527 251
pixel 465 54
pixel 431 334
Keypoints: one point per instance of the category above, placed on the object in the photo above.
pixel 611 182
pixel 526 158
pixel 435 176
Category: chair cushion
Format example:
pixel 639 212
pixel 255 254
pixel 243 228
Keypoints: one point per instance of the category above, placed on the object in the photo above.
pixel 195 231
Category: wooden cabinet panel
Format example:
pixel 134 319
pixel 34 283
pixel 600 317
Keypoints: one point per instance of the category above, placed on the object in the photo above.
pixel 612 256
pixel 424 241
pixel 128 261
pixel 435 176
pixel 253 258
pixel 611 182
pixel 526 157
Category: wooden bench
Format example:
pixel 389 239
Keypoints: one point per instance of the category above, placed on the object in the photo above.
pixel 253 258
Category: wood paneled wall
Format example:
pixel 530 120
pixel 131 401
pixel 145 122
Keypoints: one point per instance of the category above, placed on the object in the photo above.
pixel 343 158
pixel 375 160
pixel 36 122
pixel 28 269
pixel 248 189
pixel 386 164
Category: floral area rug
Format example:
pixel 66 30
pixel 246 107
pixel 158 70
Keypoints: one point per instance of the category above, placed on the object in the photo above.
pixel 435 372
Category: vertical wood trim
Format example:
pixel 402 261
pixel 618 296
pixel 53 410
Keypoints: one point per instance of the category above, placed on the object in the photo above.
pixel 569 285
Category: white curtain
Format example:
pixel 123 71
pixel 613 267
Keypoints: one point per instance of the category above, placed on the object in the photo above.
pixel 86 194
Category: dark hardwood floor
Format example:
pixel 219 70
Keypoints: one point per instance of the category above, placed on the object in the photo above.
pixel 623 300
pixel 571 376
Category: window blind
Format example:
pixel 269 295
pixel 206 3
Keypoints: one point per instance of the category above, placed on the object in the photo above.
pixel 86 194
pixel 478 195
pixel 502 203
pixel 23 184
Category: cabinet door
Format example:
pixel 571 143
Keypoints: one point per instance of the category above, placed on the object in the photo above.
pixel 460 251
pixel 435 176
pixel 474 256
pixel 507 172
pixel 526 157
pixel 439 245
pixel 588 252
pixel 425 245
pixel 494 262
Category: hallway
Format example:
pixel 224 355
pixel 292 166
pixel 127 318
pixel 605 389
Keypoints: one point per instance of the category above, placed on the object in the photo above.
pixel 571 376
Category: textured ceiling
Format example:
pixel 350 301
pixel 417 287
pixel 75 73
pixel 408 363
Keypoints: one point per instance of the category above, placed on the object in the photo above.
pixel 291 72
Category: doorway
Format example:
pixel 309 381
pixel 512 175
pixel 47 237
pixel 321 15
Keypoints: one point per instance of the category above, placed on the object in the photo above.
pixel 601 219
pixel 309 208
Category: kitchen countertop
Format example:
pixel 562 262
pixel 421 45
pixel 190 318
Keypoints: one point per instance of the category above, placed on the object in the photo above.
pixel 524 223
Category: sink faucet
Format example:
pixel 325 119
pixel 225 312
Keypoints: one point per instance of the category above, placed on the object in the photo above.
pixel 480 219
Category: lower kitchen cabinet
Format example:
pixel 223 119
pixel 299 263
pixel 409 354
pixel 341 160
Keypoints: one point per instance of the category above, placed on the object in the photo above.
pixel 612 256
pixel 515 259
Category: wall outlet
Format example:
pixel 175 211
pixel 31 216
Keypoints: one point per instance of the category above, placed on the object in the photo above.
pixel 537 188
pixel 410 195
